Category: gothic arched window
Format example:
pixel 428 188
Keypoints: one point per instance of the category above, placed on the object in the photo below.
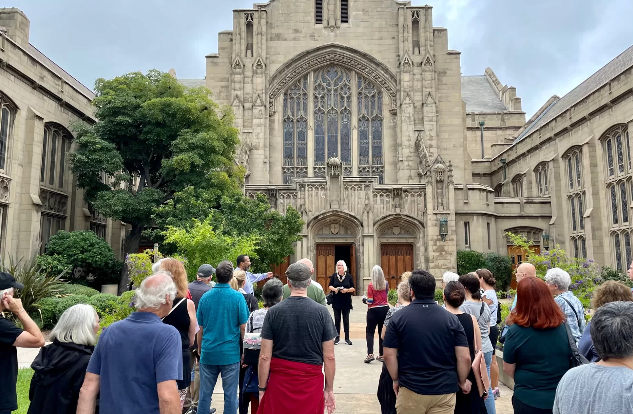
pixel 370 129
pixel 7 116
pixel 296 131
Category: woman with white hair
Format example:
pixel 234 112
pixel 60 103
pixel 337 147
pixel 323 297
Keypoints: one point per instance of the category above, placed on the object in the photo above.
pixel 60 367
pixel 377 311
pixel 342 285
pixel 558 282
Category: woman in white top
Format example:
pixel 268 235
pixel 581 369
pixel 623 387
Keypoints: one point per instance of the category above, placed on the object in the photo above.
pixel 487 283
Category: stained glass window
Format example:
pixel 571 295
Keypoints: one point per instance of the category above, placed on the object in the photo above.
pixel 295 131
pixel 573 214
pixel 570 172
pixel 618 252
pixel 545 179
pixel 576 250
pixel 539 183
pixel 623 200
pixel 5 124
pixel 581 213
pixel 370 121
pixel 627 247
pixel 614 205
pixel 610 156
pixel 618 147
pixel 51 176
pixel 628 149
pixel 44 148
pixel 577 158
pixel 583 244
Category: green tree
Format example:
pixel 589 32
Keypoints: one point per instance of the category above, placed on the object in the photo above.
pixel 200 244
pixel 237 216
pixel 153 138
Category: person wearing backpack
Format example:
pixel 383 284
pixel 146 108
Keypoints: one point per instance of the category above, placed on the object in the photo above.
pixel 476 307
pixel 487 283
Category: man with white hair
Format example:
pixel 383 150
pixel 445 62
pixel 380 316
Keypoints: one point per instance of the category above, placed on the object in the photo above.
pixel 315 291
pixel 449 277
pixel 558 282
pixel 11 337
pixel 137 361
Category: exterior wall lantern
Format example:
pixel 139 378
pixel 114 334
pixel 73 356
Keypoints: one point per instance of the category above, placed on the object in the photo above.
pixel 546 240
pixel 443 228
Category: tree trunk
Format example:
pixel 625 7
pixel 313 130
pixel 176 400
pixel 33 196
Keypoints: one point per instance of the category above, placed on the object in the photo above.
pixel 132 244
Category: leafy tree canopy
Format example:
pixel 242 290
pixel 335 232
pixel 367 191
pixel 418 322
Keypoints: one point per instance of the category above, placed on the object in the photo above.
pixel 153 138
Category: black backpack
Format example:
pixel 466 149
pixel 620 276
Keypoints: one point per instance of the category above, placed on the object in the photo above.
pixel 498 313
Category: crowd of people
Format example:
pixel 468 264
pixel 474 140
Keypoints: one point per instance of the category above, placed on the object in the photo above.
pixel 167 356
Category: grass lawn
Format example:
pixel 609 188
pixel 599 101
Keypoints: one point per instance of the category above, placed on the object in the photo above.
pixel 24 381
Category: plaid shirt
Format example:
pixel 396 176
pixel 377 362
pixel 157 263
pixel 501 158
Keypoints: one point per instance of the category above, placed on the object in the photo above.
pixel 571 312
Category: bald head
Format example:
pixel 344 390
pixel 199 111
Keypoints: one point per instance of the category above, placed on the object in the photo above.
pixel 308 263
pixel 525 270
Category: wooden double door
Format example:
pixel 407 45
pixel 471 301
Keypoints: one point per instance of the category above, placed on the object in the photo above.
pixel 395 259
pixel 328 255
pixel 518 255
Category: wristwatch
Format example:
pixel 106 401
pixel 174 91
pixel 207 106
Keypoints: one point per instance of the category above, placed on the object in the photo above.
pixel 262 389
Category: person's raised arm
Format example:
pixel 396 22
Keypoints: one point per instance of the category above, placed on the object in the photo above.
pixel 168 397
pixel 193 323
pixel 329 368
pixel 88 394
pixel 32 336
pixel 253 278
pixel 265 355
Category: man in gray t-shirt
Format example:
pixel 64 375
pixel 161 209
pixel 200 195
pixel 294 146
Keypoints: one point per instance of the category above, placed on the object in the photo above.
pixel 605 387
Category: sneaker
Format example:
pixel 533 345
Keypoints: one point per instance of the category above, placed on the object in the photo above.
pixel 348 342
pixel 337 340
pixel 496 393
pixel 369 359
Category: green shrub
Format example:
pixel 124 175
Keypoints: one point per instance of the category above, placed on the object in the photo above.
pixel 469 261
pixel 47 311
pixel 68 301
pixel 55 265
pixel 73 289
pixel 37 285
pixel 392 297
pixel 104 304
pixel 439 296
pixel 122 310
pixel 501 267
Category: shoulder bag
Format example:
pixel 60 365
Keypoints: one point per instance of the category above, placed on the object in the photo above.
pixel 573 310
pixel 481 374
pixel 576 358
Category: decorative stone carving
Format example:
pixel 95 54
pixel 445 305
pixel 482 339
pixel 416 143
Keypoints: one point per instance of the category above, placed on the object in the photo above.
pixel 332 54
pixel 406 63
pixel 396 230
pixel 259 65
pixel 423 155
pixel 259 101
pixel 5 183
pixel 428 62
pixel 334 165
pixel 449 174
pixel 53 202
pixel 237 64
pixel 248 17
pixel 334 228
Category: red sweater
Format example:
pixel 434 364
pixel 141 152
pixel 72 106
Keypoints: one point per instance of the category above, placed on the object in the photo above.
pixel 375 297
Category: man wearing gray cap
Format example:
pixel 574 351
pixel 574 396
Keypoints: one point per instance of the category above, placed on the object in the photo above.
pixel 297 340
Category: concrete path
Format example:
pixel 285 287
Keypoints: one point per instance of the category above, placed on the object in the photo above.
pixel 355 383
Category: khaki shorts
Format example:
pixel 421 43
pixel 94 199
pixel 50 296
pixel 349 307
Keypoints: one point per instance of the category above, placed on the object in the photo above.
pixel 408 402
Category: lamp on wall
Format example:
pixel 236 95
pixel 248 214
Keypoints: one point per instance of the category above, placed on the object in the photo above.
pixel 546 240
pixel 443 228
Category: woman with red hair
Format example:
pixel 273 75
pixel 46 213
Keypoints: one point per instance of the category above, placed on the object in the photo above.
pixel 536 351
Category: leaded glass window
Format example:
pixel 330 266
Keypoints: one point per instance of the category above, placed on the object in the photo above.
pixel 619 152
pixel 545 179
pixel 581 213
pixel 55 147
pixel 570 171
pixel 541 179
pixel 610 156
pixel 370 129
pixel 295 129
pixel 583 243
pixel 623 201
pixel 618 252
pixel 7 114
pixel 628 150
pixel 614 205
pixel 627 247
pixel 577 159
pixel 576 250
pixel 573 214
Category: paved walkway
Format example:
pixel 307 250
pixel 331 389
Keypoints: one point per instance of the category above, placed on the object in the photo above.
pixel 355 383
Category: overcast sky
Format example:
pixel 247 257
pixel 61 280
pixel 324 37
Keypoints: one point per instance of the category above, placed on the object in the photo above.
pixel 542 47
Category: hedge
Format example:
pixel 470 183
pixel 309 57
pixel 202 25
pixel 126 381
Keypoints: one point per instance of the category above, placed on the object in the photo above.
pixel 72 289
pixel 499 265
pixel 51 309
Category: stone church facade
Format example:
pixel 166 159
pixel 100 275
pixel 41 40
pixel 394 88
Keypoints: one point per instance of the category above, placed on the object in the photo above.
pixel 357 115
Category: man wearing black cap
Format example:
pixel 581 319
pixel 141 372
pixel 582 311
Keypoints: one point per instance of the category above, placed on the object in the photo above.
pixel 297 341
pixel 11 337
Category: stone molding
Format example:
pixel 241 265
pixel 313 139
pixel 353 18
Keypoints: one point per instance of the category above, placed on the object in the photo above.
pixel 313 59
pixel 5 186
pixel 53 202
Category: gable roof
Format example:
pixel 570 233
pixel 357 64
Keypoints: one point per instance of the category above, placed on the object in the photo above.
pixel 480 96
pixel 609 71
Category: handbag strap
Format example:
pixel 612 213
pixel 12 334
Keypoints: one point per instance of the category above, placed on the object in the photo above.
pixel 172 309
pixel 574 310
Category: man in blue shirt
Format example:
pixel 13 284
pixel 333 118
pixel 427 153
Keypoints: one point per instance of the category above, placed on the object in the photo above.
pixel 244 263
pixel 222 315
pixel 137 361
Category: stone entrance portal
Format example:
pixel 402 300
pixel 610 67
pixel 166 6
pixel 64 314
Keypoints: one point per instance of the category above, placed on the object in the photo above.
pixel 327 255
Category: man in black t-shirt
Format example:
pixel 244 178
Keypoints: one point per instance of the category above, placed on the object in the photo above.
pixel 297 340
pixel 11 337
pixel 426 352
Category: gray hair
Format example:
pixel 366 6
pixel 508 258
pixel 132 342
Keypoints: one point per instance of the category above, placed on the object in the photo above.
pixel 559 278
pixel 77 325
pixel 343 263
pixel 612 330
pixel 378 278
pixel 151 294
pixel 450 277
pixel 404 292
pixel 272 292
pixel 299 284
pixel 156 266
pixel 9 291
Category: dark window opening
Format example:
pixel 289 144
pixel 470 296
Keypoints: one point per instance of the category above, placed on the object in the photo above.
pixel 343 252
pixel 344 11
pixel 319 12
pixel 415 28
pixel 249 35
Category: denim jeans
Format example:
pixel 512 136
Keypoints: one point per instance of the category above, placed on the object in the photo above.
pixel 208 378
pixel 490 401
